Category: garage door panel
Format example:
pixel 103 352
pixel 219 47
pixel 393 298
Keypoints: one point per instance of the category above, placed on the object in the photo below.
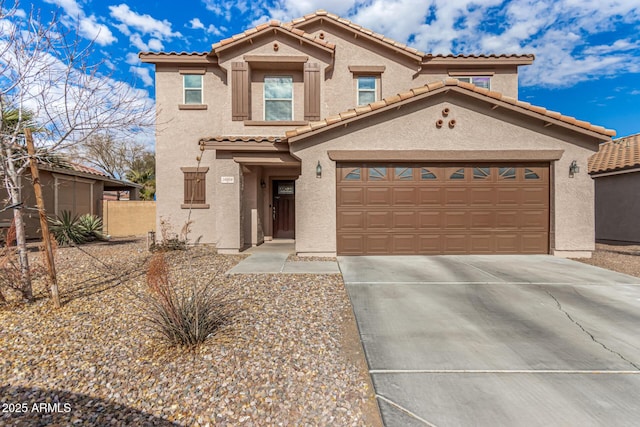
pixel 456 220
pixel 351 196
pixel 430 220
pixel 430 196
pixel 405 220
pixel 351 221
pixel 456 196
pixel 455 243
pixel 482 219
pixel 378 196
pixel 534 197
pixel 350 244
pixel 404 196
pixel 378 220
pixel 429 244
pixel 403 244
pixel 443 209
pixel 378 244
pixel 482 197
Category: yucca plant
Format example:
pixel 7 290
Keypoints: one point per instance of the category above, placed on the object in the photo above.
pixel 66 229
pixel 92 227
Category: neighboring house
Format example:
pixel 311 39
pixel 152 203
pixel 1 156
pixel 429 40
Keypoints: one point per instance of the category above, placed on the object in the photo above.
pixel 351 143
pixel 73 188
pixel 615 168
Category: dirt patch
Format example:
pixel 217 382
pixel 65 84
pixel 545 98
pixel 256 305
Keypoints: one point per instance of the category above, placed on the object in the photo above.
pixel 621 258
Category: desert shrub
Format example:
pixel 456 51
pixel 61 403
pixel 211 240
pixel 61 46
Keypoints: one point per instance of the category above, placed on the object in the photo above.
pixel 182 315
pixel 170 240
pixel 92 227
pixel 68 229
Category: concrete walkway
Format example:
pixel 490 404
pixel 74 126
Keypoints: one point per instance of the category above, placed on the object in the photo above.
pixel 271 257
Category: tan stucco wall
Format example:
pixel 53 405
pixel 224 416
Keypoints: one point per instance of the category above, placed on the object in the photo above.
pixel 128 218
pixel 227 222
pixel 618 207
pixel 413 128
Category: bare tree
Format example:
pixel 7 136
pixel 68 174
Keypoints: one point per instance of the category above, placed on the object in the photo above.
pixel 47 76
pixel 110 154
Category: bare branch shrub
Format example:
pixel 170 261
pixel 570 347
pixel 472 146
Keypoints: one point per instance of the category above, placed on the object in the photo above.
pixel 182 315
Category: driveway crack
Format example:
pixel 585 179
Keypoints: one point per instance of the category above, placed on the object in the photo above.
pixel 593 338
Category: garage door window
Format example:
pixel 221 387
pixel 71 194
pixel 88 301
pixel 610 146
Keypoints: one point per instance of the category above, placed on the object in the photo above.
pixel 427 174
pixel 459 174
pixel 353 175
pixel 529 174
pixel 404 174
pixel 377 174
pixel 507 173
pixel 481 173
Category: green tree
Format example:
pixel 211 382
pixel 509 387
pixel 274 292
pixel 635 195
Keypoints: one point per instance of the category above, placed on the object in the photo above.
pixel 143 171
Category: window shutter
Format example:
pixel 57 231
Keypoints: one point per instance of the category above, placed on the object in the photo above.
pixel 195 186
pixel 240 88
pixel 312 91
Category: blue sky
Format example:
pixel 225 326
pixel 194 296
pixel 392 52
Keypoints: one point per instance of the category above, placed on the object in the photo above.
pixel 587 51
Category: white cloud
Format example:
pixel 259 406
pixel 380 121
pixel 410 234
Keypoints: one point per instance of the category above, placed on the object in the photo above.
pixel 136 40
pixel 20 13
pixel 155 44
pixel 212 29
pixel 145 24
pixel 196 24
pixel 573 40
pixel 132 59
pixel 88 26
pixel 143 74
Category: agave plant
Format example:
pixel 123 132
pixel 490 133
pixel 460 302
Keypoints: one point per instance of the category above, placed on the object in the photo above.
pixel 92 227
pixel 66 229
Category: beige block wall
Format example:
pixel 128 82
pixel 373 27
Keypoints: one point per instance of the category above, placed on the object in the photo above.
pixel 413 128
pixel 128 218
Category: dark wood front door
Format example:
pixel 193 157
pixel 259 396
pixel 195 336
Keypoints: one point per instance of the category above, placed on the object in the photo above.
pixel 284 209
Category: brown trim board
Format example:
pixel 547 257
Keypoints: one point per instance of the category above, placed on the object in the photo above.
pixel 445 155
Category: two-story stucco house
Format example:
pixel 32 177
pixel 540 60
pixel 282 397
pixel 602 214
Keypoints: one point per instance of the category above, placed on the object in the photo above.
pixel 351 143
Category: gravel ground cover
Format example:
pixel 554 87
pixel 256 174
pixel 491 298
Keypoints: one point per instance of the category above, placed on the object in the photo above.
pixel 621 258
pixel 289 356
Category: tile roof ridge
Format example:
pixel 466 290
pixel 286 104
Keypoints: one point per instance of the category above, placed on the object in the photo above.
pixel 433 86
pixel 274 23
pixel 356 27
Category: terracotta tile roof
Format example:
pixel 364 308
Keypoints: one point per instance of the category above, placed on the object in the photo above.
pixel 86 169
pixel 440 86
pixel 355 27
pixel 174 53
pixel 288 27
pixel 271 139
pixel 491 56
pixel 619 154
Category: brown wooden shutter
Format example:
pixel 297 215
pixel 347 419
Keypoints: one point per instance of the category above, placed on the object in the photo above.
pixel 312 91
pixel 240 89
pixel 195 186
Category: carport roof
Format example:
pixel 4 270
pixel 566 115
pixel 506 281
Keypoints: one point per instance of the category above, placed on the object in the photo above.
pixel 548 116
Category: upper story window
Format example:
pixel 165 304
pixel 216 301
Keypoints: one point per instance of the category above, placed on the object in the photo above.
pixel 367 89
pixel 484 82
pixel 192 88
pixel 278 98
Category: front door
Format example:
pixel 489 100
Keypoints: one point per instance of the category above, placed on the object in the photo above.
pixel 284 209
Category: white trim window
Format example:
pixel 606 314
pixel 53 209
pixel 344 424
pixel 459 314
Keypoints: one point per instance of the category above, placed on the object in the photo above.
pixel 192 84
pixel 367 89
pixel 484 81
pixel 278 98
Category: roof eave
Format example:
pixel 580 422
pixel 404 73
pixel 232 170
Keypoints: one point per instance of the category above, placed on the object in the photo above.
pixel 430 60
pixel 204 58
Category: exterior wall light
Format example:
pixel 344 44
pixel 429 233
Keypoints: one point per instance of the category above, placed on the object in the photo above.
pixel 319 170
pixel 574 169
pixel 263 184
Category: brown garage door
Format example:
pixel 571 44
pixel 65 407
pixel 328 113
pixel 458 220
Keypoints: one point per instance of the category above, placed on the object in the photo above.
pixel 442 208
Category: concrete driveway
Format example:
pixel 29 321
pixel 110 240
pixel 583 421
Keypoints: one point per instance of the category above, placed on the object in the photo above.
pixel 498 340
